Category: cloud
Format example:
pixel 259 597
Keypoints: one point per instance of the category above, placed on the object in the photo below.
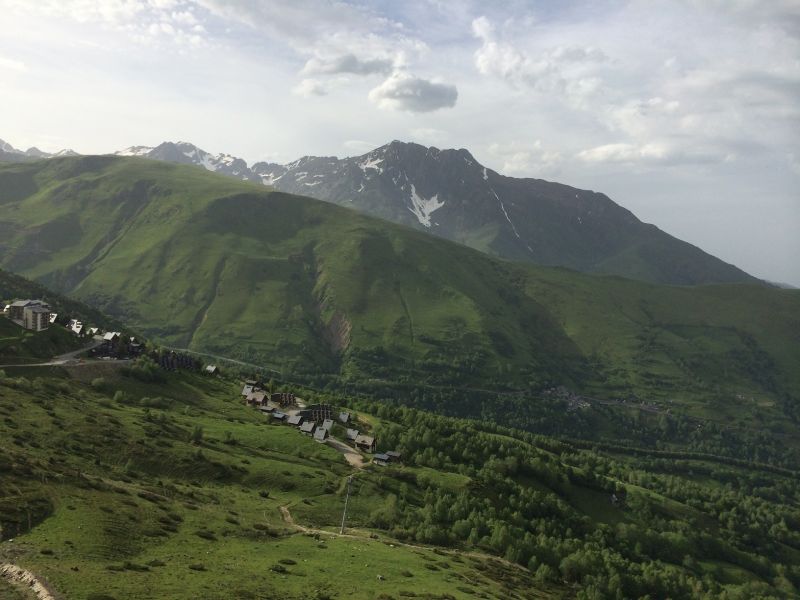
pixel 654 153
pixel 308 88
pixel 347 64
pixel 11 64
pixel 527 158
pixel 402 91
pixel 565 70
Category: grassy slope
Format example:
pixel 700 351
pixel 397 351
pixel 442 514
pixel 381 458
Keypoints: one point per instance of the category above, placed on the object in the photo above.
pixel 202 261
pixel 122 504
pixel 119 512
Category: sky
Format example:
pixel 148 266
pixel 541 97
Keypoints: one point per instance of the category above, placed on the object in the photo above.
pixel 686 112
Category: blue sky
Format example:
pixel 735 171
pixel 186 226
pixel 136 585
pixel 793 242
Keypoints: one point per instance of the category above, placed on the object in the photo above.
pixel 686 112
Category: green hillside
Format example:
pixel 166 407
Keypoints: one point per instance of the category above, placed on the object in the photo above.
pixel 322 294
pixel 138 483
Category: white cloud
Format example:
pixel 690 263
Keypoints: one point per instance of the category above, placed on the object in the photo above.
pixel 523 159
pixel 347 63
pixel 402 91
pixel 11 64
pixel 308 88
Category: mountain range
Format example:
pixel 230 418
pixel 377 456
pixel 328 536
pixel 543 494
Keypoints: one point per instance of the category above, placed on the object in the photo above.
pixel 232 268
pixel 448 193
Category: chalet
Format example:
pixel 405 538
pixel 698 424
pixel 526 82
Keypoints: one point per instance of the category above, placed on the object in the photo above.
pixel 351 435
pixel 394 455
pixel 75 327
pixel 282 398
pixel 279 416
pixel 320 434
pixel 53 317
pixel 247 390
pixel 327 424
pixel 365 443
pixel 266 409
pixel 381 459
pixel 308 427
pixel 36 318
pixel 111 337
pixel 295 420
pixel 256 398
pixel 344 417
pixel 210 369
pixel 93 331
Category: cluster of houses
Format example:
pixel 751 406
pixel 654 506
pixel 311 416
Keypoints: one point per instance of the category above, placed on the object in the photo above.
pixel 316 420
pixel 35 315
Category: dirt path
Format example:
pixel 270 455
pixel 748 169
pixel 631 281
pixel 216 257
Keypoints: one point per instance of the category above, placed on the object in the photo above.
pixel 68 358
pixel 22 578
pixel 367 535
pixel 354 458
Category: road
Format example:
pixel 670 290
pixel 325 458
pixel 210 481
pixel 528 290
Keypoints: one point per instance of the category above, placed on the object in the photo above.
pixel 66 359
pixel 354 458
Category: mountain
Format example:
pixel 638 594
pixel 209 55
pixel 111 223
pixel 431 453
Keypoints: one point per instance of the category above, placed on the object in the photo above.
pixel 189 154
pixel 321 292
pixel 10 154
pixel 448 193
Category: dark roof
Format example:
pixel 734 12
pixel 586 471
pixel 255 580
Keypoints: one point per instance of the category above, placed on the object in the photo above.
pixel 295 420
pixel 278 415
pixel 380 457
pixel 266 409
pixel 392 454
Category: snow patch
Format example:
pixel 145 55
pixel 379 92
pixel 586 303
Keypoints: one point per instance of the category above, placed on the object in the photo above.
pixel 510 222
pixel 422 207
pixel 371 163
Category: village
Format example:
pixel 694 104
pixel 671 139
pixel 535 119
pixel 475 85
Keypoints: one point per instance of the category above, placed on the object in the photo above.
pixel 322 422
pixel 37 316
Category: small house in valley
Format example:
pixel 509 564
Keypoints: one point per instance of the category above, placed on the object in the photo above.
pixel 210 369
pixel 247 390
pixel 279 416
pixel 365 443
pixel 351 435
pixel 308 427
pixel 344 417
pixel 327 424
pixel 394 456
pixel 321 434
pixel 295 420
pixel 381 459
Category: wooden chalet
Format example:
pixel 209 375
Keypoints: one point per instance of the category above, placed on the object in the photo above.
pixel 365 443
pixel 321 434
pixel 308 427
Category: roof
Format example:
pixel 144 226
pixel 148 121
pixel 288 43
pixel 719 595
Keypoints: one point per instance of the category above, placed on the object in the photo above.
pixel 344 417
pixel 266 409
pixel 24 303
pixel 53 317
pixel 380 457
pixel 278 415
pixel 327 424
pixel 247 390
pixel 320 433
pixel 37 309
pixel 295 420
pixel 365 439
pixel 256 397
pixel 209 368
pixel 351 434
pixel 111 335
pixel 308 427
pixel 393 454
